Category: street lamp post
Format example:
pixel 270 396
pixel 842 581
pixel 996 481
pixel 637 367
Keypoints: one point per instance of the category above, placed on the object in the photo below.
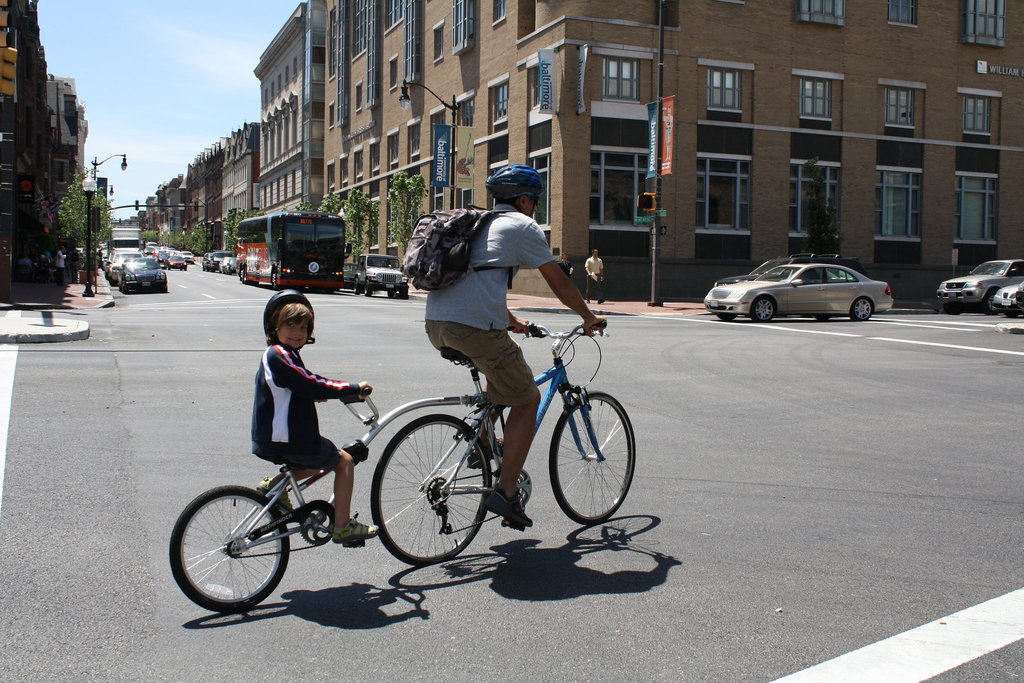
pixel 89 187
pixel 405 101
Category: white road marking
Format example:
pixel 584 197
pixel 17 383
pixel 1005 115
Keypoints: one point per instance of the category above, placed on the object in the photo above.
pixel 948 346
pixel 8 361
pixel 208 296
pixel 921 325
pixel 928 650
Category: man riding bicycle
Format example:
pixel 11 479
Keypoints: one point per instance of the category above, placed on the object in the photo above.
pixel 472 316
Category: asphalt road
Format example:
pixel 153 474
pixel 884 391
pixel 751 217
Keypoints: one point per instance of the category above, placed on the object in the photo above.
pixel 803 490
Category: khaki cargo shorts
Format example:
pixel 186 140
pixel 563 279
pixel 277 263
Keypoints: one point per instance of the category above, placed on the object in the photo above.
pixel 509 378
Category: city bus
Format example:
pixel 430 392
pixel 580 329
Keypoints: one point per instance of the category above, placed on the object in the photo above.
pixel 292 249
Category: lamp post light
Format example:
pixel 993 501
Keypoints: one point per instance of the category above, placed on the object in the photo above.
pixel 89 188
pixel 97 164
pixel 405 102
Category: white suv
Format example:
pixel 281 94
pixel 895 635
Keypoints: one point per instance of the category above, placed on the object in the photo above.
pixel 978 288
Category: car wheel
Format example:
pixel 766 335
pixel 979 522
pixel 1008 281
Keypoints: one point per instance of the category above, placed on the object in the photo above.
pixel 952 309
pixel 391 294
pixel 861 309
pixel 988 304
pixel 763 309
pixel 726 316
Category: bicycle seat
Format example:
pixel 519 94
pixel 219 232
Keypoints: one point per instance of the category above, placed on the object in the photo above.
pixel 455 356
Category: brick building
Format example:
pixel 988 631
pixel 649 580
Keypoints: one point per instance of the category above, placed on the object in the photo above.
pixel 907 106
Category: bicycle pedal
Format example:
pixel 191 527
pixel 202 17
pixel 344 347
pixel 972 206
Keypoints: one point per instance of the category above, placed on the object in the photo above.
pixel 354 544
pixel 512 525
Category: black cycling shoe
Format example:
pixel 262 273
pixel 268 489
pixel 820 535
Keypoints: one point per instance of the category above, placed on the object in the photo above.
pixel 512 510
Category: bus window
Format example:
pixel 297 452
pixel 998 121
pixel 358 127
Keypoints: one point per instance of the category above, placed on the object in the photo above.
pixel 300 235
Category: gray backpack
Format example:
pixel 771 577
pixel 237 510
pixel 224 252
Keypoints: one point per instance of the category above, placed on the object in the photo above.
pixel 439 249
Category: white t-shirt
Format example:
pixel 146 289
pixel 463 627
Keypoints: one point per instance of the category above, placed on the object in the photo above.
pixel 512 240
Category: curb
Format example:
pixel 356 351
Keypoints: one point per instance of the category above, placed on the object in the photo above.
pixel 1010 328
pixel 42 329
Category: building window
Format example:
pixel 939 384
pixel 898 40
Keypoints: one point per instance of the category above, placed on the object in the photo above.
pixel 357 164
pixel 724 89
pixel 393 73
pixel 359 96
pixel 533 88
pixel 977 114
pixel 413 67
pixel 898 204
pixel 343 171
pixel 542 164
pixel 816 98
pixel 467 110
pixel 799 192
pixel 615 181
pixel 723 194
pixel 394 10
pixel 330 177
pixel 899 106
pixel 499 10
pixel 621 78
pixel 903 11
pixel 414 142
pixel 976 208
pixel 359 25
pixel 499 106
pixel 374 158
pixel 439 42
pixel 393 150
pixel 821 11
pixel 984 21
pixel 463 24
pixel 437 198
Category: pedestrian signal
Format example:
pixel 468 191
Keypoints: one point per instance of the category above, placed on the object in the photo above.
pixel 646 202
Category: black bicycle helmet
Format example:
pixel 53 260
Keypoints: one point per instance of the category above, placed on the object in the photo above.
pixel 514 181
pixel 285 296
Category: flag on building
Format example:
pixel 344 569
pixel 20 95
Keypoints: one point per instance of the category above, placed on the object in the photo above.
pixel 464 157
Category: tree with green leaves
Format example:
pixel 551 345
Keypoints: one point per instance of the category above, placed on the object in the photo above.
pixel 73 216
pixel 823 233
pixel 362 220
pixel 231 223
pixel 333 204
pixel 405 197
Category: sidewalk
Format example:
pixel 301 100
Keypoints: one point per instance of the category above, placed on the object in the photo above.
pixel 28 317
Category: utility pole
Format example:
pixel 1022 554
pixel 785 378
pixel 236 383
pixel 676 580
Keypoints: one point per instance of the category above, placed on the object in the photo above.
pixel 656 231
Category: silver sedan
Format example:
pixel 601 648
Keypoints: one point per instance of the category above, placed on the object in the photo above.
pixel 814 289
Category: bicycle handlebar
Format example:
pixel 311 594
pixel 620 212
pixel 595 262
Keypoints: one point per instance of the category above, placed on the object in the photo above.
pixel 540 331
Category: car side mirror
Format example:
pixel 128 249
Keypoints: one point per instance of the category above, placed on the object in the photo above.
pixel 797 282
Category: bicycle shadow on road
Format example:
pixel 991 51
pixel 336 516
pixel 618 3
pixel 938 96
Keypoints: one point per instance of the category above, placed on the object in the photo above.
pixel 356 606
pixel 522 571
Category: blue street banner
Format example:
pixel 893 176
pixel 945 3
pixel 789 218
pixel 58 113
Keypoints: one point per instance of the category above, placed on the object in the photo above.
pixel 652 141
pixel 440 168
pixel 547 82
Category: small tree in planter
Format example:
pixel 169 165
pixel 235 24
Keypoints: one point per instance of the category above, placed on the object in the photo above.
pixel 823 233
pixel 362 220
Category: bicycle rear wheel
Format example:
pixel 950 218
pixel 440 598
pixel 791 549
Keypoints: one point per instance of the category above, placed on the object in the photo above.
pixel 205 568
pixel 421 522
pixel 590 487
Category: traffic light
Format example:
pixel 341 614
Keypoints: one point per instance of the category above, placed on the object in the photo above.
pixel 646 201
pixel 136 204
pixel 8 69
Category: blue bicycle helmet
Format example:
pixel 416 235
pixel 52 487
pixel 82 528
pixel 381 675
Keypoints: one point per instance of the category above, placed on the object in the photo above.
pixel 514 181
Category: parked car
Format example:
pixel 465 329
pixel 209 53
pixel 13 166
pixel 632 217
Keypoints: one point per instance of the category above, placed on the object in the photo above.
pixel 144 274
pixel 977 289
pixel 348 275
pixel 229 265
pixel 176 262
pixel 381 272
pixel 117 264
pixel 1009 300
pixel 852 263
pixel 211 260
pixel 818 289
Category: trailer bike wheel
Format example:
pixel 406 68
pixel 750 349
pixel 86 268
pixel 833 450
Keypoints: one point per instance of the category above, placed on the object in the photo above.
pixel 212 564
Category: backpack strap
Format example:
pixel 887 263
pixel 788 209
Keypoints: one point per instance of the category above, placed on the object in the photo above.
pixel 491 215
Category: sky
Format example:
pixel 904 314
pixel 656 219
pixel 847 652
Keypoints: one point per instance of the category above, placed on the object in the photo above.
pixel 161 81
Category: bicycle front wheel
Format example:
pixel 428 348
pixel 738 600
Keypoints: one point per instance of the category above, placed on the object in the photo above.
pixel 208 568
pixel 593 454
pixel 422 517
